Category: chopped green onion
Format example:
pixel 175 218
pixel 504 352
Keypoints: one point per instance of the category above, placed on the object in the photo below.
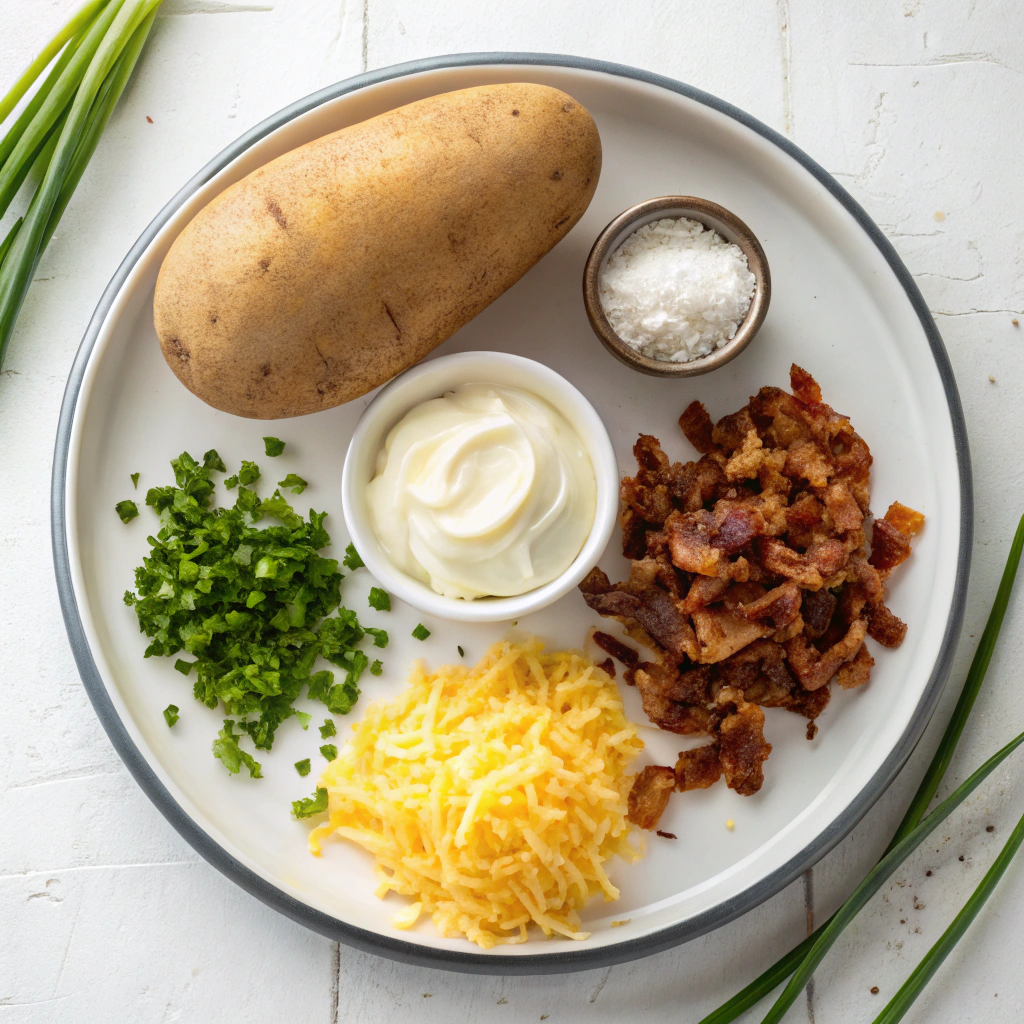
pixel 213 461
pixel 380 600
pixel 249 473
pixel 170 714
pixel 329 750
pixel 135 480
pixel 352 560
pixel 294 483
pixel 273 446
pixel 380 636
pixel 127 510
pixel 328 729
pixel 377 667
pixel 311 805
pixel 303 767
pixel 421 632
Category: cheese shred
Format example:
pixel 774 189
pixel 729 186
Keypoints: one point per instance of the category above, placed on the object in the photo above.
pixel 493 795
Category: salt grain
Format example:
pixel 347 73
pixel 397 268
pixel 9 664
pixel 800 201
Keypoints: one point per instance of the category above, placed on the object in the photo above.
pixel 675 290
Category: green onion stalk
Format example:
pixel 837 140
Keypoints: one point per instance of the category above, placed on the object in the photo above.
pixel 787 965
pixel 58 129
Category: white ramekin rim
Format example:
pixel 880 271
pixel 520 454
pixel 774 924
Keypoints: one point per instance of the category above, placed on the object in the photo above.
pixel 430 380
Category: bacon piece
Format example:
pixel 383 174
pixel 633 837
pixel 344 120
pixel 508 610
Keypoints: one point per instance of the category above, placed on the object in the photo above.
pixel 634 533
pixel 653 462
pixel 842 507
pixel 815 668
pixel 698 768
pixel 617 649
pixel 653 504
pixel 607 666
pixel 676 701
pixel 695 483
pixel 857 671
pixel 731 431
pixel 701 541
pixel 906 520
pixel 784 561
pixel 746 462
pixel 721 633
pixel 804 386
pixel 744 749
pixel 696 424
pixel 657 613
pixel 889 546
pixel 649 795
pixel 807 460
pixel 885 627
pixel 781 605
pixel 817 609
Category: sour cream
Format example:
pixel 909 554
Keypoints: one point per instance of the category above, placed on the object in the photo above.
pixel 485 492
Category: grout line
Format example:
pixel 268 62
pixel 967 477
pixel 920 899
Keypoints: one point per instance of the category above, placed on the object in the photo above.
pixel 787 64
pixel 366 34
pixel 809 910
pixel 335 979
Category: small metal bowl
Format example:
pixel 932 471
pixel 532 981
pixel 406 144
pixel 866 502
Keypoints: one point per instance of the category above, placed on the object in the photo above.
pixel 711 215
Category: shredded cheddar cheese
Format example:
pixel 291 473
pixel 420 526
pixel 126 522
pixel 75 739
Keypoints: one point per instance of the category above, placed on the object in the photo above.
pixel 493 795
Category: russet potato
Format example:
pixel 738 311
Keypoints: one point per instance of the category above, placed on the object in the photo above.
pixel 332 268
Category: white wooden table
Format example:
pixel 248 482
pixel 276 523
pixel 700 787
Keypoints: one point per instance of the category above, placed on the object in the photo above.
pixel 917 106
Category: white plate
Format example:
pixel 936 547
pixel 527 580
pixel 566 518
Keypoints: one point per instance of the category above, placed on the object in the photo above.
pixel 843 306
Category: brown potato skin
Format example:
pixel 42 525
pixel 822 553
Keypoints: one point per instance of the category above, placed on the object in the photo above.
pixel 329 270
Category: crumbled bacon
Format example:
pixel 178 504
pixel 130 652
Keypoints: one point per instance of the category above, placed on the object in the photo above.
pixel 756 575
pixel 648 798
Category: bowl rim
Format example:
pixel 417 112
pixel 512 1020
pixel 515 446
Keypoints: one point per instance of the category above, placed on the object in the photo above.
pixel 395 399
pixel 397 947
pixel 712 216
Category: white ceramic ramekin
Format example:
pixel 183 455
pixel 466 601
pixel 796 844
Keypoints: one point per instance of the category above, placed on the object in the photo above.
pixel 431 380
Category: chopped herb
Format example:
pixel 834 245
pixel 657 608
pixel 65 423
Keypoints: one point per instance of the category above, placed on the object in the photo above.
pixel 135 480
pixel 380 636
pixel 421 632
pixel 462 653
pixel 310 805
pixel 231 754
pixel 170 714
pixel 274 446
pixel 126 510
pixel 294 483
pixel 249 473
pixel 376 668
pixel 329 750
pixel 328 729
pixel 352 560
pixel 380 600
pixel 211 460
pixel 254 608
pixel 231 482
pixel 303 767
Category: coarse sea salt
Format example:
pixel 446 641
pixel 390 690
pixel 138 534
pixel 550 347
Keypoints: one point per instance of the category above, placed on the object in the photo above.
pixel 675 290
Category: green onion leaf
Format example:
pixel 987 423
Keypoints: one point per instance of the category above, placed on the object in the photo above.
pixel 922 974
pixel 421 632
pixel 328 729
pixel 329 750
pixel 784 967
pixel 304 718
pixel 231 754
pixel 310 805
pixel 380 600
pixel 352 560
pixel 231 482
pixel 877 877
pixel 273 446
pixel 376 668
pixel 127 510
pixel 303 767
pixel 213 461
pixel 249 473
pixel 170 715
pixel 135 480
pixel 462 653
pixel 380 636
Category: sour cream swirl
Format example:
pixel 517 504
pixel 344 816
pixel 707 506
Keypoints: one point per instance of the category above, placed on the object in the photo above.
pixel 485 492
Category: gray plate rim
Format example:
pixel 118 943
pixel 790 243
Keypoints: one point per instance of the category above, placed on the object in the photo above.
pixel 458 959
